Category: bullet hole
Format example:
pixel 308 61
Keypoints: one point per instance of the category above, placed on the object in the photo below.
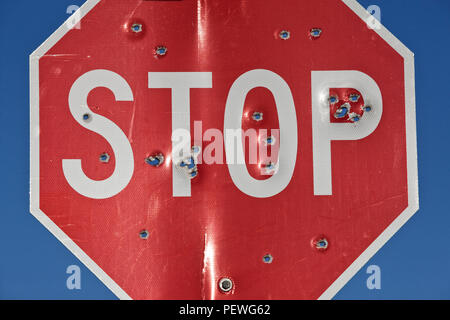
pixel 160 51
pixel 284 34
pixel 321 244
pixel 257 116
pixel 87 117
pixel 267 258
pixel 354 117
pixel 315 33
pixel 189 167
pixel 143 234
pixel 270 166
pixel 333 99
pixel 342 111
pixel 195 149
pixel 136 27
pixel 190 163
pixel 193 174
pixel 155 160
pixel 270 141
pixel 354 97
pixel 105 157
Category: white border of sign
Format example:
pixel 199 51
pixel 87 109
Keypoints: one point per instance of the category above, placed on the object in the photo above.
pixel 411 149
pixel 34 152
pixel 411 156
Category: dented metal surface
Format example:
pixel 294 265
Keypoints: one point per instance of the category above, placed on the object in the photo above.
pixel 215 243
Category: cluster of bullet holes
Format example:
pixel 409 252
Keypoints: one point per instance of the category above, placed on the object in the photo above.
pixel 314 33
pixel 344 111
pixel 226 284
pixel 137 29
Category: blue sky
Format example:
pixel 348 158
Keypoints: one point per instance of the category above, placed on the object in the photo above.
pixel 415 262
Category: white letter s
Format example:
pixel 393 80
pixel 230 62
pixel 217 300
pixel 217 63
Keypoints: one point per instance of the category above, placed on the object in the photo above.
pixel 120 145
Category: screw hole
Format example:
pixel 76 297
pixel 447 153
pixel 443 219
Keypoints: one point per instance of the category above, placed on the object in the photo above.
pixel 225 284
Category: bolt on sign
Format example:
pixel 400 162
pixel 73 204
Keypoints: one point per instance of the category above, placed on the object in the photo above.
pixel 223 149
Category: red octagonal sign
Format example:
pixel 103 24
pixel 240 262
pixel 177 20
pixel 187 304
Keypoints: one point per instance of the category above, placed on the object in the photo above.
pixel 201 149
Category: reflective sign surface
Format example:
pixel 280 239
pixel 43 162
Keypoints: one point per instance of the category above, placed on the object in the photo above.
pixel 331 98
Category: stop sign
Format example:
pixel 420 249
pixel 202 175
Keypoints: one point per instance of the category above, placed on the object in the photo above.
pixel 142 116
